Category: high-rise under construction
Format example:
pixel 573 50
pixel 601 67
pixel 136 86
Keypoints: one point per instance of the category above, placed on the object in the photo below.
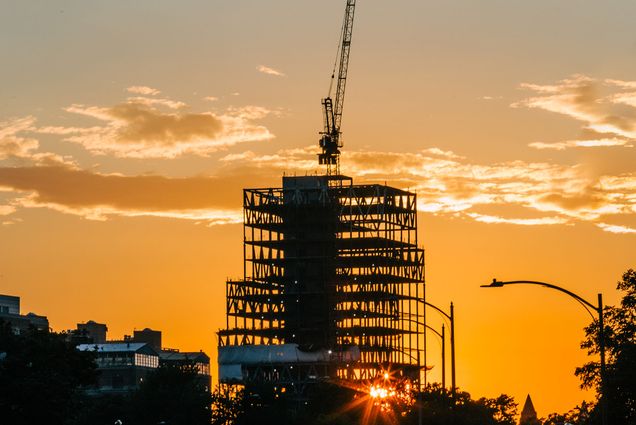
pixel 333 284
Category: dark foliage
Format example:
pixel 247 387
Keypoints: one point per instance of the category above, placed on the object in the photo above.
pixel 172 395
pixel 580 415
pixel 40 377
pixel 101 410
pixel 328 404
pixel 438 408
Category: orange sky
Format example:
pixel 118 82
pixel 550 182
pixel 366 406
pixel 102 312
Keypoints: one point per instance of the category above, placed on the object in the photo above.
pixel 127 132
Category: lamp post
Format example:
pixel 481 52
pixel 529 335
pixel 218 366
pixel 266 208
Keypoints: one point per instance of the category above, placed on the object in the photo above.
pixel 442 336
pixel 587 305
pixel 451 318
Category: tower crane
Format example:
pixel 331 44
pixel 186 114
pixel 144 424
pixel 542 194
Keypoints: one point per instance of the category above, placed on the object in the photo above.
pixel 330 142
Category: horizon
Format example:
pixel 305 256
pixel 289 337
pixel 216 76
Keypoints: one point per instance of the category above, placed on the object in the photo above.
pixel 128 132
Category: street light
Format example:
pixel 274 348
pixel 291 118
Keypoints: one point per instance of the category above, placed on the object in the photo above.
pixel 442 336
pixel 587 305
pixel 451 318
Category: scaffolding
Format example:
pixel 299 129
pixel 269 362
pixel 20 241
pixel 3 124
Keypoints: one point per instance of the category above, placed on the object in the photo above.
pixel 333 285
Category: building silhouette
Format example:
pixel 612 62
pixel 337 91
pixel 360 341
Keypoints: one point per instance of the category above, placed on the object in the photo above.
pixel 333 286
pixel 10 313
pixel 124 364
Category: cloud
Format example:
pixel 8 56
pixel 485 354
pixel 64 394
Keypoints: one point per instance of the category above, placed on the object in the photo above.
pixel 269 71
pixel 214 200
pixel 622 84
pixel 518 221
pixel 15 145
pixel 7 209
pixel 616 229
pixel 211 98
pixel 139 129
pixel 596 103
pixel 143 90
pixel 449 184
pixel 590 143
pixel 153 101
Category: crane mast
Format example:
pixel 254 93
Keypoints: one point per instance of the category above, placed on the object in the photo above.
pixel 330 142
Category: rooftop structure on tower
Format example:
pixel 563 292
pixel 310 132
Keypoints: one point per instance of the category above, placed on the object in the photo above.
pixel 528 414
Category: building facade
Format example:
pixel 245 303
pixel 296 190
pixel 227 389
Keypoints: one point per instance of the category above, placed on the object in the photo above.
pixel 122 366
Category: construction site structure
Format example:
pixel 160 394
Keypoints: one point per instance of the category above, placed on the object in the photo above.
pixel 333 286
pixel 330 140
pixel 333 280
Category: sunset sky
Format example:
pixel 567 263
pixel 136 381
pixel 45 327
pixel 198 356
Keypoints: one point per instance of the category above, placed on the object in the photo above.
pixel 128 129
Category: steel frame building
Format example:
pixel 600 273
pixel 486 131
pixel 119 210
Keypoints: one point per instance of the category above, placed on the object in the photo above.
pixel 334 271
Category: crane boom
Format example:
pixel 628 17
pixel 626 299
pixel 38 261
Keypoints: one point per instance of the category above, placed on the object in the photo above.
pixel 330 141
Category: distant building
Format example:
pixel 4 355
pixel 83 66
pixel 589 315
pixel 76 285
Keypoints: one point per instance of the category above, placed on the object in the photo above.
pixel 122 366
pixel 528 414
pixel 149 337
pixel 90 332
pixel 10 312
pixel 9 304
pixel 199 360
pixel 93 330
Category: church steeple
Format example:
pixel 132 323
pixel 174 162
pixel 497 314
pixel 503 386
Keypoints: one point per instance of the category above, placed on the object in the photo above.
pixel 528 414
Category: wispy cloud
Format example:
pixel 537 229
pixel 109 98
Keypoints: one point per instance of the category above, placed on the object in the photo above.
pixel 12 144
pixel 143 90
pixel 140 128
pixel 449 184
pixel 7 209
pixel 518 221
pixel 153 101
pixel 99 196
pixel 590 143
pixel 616 229
pixel 269 71
pixel 600 105
pixel 17 144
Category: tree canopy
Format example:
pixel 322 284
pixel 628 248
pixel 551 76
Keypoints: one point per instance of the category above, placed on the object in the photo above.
pixel 619 389
pixel 41 376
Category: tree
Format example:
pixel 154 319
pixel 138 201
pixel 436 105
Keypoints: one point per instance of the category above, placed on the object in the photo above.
pixel 41 376
pixel 619 389
pixel 580 415
pixel 503 409
pixel 172 395
pixel 439 408
pixel 227 404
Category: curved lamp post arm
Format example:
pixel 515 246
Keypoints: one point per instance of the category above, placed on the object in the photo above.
pixel 451 318
pixel 442 312
pixel 586 304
